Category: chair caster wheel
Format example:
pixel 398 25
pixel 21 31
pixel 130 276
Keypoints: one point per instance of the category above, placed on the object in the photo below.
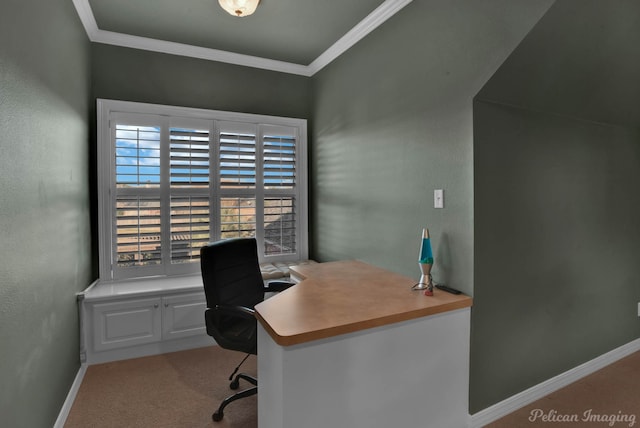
pixel 217 416
pixel 235 384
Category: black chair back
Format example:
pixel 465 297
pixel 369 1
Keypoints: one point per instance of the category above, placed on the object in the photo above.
pixel 231 278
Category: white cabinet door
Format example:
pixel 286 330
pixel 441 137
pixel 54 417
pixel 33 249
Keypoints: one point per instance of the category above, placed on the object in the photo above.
pixel 183 315
pixel 126 323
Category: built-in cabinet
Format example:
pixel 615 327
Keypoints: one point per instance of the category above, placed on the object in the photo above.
pixel 125 323
pixel 183 316
pixel 128 320
pixel 134 322
pixel 136 318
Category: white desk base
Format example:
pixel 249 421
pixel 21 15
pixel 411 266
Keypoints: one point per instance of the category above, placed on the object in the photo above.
pixel 409 374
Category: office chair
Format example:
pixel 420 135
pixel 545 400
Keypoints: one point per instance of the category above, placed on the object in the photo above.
pixel 233 286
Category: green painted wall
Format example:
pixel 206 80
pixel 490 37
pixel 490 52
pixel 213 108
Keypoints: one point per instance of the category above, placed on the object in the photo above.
pixel 392 121
pixel 556 173
pixel 44 205
pixel 150 77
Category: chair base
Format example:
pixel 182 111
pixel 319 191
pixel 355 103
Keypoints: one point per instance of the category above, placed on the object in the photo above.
pixel 235 384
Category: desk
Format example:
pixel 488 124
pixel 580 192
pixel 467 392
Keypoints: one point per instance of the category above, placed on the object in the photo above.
pixel 351 345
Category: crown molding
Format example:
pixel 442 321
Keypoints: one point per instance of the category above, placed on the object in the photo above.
pixel 162 46
pixel 86 17
pixel 376 18
pixel 381 14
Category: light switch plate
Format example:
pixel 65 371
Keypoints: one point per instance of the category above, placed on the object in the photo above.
pixel 438 198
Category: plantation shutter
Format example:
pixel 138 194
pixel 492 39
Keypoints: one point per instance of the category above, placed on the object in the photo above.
pixel 237 165
pixel 189 158
pixel 190 228
pixel 279 179
pixel 138 239
pixel 237 155
pixel 279 161
pixel 171 179
pixel 137 223
pixel 189 182
pixel 137 156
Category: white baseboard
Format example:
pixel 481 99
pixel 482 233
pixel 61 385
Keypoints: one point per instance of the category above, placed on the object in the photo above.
pixel 511 404
pixel 71 396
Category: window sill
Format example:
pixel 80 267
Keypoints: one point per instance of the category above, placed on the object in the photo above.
pixel 143 287
pixel 153 286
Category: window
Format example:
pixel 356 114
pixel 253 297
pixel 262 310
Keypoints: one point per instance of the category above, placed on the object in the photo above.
pixel 172 179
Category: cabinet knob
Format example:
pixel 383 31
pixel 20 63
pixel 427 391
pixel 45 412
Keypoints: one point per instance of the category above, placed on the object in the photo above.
pixel 155 306
pixel 166 305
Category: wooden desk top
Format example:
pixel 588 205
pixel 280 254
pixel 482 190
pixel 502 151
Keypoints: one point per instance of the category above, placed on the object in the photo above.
pixel 343 297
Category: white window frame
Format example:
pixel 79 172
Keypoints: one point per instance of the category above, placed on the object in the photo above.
pixel 106 109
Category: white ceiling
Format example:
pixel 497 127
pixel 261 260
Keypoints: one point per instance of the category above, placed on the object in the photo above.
pixel 291 36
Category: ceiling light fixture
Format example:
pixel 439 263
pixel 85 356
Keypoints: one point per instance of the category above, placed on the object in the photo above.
pixel 239 7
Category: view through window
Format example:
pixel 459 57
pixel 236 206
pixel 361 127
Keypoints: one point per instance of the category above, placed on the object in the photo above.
pixel 172 180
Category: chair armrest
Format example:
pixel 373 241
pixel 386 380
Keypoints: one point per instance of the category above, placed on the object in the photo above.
pixel 236 311
pixel 277 286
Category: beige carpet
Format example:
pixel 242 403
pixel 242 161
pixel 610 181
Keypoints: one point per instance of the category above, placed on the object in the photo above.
pixel 183 389
pixel 609 397
pixel 180 389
